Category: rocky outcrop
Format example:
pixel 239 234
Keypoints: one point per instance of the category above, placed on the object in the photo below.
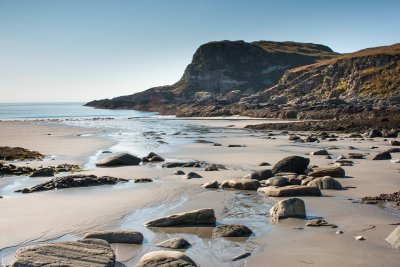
pixel 195 217
pixel 72 181
pixel 122 236
pixel 165 258
pixel 87 252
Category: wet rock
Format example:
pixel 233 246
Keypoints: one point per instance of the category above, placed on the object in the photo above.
pixel 241 256
pixel 319 222
pixel 327 171
pixel 356 156
pixel 343 162
pixel 292 207
pixel 277 181
pixel 236 146
pixel 122 159
pixel 259 175
pixel 382 156
pixel 383 198
pixel 321 152
pixel 192 164
pixel 294 137
pixel 195 217
pixel 217 144
pixel 143 180
pixel 43 172
pixel 290 190
pixel 394 238
pixel 179 172
pixel 375 133
pixel 393 150
pixel 241 184
pixel 165 258
pixel 395 143
pixel 214 185
pixel 174 243
pixel 10 169
pixel 191 175
pixel 295 164
pixel 114 236
pixel 87 252
pixel 311 139
pixel 211 167
pixel 325 182
pixel 73 181
pixel 234 230
pixel 153 157
pixel 264 164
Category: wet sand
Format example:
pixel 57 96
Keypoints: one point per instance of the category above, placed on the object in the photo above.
pixel 68 214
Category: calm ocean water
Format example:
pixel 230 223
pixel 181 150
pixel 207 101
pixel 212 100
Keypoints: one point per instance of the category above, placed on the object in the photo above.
pixel 18 111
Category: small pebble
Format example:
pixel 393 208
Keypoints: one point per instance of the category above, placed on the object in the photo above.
pixel 339 232
pixel 360 238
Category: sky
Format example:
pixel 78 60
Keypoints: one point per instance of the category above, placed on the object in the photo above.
pixel 81 50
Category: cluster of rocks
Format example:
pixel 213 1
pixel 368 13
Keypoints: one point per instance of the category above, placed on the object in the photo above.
pixel 11 169
pixel 152 157
pixel 72 181
pixel 19 153
pixel 383 198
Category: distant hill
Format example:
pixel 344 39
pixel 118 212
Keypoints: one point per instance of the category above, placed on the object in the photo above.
pixel 274 79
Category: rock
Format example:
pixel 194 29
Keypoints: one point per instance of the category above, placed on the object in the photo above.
pixel 294 137
pixel 165 258
pixel 382 156
pixel 191 175
pixel 394 238
pixel 321 152
pixel 264 164
pixel 395 143
pixel 339 232
pixel 122 236
pixel 327 171
pixel 375 133
pixel 236 145
pixel 43 172
pixel 73 181
pixel 360 238
pixel 294 181
pixel 235 230
pixel 394 150
pixel 290 190
pixel 277 181
pixel 295 164
pixel 241 184
pixel 179 172
pixel 325 182
pixel 87 252
pixel 343 162
pixel 217 144
pixel 356 156
pixel 214 184
pixel 19 153
pixel 211 167
pixel 192 164
pixel 143 180
pixel 319 222
pixel 195 217
pixel 174 243
pixel 259 175
pixel 241 256
pixel 292 207
pixel 122 159
pixel 351 148
pixel 311 139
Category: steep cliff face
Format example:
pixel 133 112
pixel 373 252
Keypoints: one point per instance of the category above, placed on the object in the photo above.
pixel 218 68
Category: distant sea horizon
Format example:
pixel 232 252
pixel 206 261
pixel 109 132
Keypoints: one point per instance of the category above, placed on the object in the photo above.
pixel 60 110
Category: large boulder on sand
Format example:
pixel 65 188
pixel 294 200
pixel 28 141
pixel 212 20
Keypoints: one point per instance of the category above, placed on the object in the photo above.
pixel 235 230
pixel 394 238
pixel 195 217
pixel 165 258
pixel 382 156
pixel 122 159
pixel 87 252
pixel 123 236
pixel 295 164
pixel 241 184
pixel 259 175
pixel 327 171
pixel 325 182
pixel 292 207
pixel 290 190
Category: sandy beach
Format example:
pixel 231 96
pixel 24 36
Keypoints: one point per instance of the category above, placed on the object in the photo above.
pixel 68 214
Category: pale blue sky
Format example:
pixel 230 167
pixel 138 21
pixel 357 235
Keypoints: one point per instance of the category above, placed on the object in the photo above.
pixel 79 50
